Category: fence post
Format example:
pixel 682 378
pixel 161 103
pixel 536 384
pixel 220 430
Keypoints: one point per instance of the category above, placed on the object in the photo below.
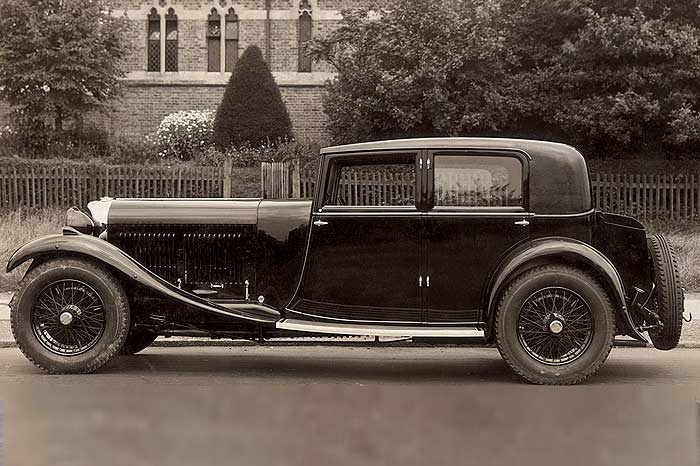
pixel 228 189
pixel 296 179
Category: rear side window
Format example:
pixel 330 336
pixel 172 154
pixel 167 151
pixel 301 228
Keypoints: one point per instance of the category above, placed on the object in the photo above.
pixel 379 183
pixel 478 181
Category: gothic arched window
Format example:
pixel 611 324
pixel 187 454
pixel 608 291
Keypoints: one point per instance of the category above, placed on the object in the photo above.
pixel 305 28
pixel 231 39
pixel 214 41
pixel 153 41
pixel 171 41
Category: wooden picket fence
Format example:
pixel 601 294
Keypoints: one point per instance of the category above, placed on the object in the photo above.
pixel 43 185
pixel 647 197
pixel 668 196
pixel 282 180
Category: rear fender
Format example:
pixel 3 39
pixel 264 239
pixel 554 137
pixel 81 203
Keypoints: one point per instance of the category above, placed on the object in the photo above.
pixel 73 243
pixel 547 250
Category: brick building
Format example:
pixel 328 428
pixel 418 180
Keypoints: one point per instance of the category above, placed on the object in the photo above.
pixel 183 51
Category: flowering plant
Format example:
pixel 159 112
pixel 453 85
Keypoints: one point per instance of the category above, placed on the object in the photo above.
pixel 183 135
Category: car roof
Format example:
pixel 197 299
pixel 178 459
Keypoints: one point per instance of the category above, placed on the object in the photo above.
pixel 558 175
pixel 527 145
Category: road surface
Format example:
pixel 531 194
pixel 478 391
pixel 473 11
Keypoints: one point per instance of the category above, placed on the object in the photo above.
pixel 311 405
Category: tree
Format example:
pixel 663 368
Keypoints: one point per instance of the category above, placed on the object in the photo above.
pixel 59 58
pixel 610 77
pixel 251 111
pixel 621 81
pixel 424 68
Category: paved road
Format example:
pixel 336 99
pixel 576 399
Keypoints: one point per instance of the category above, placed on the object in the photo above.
pixel 349 405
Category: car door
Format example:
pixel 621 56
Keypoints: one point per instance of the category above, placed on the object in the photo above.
pixel 476 213
pixel 364 255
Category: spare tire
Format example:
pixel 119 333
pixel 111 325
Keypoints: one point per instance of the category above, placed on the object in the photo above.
pixel 669 293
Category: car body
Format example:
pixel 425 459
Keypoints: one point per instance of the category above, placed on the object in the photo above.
pixel 437 239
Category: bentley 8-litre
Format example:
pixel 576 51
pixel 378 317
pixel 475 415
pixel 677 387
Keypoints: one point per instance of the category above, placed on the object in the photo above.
pixel 493 240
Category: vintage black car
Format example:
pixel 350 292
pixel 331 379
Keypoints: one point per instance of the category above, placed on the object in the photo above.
pixel 495 240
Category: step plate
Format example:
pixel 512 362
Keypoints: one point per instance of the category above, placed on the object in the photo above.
pixel 379 330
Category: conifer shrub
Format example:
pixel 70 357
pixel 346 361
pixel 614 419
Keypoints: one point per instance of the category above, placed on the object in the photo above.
pixel 252 111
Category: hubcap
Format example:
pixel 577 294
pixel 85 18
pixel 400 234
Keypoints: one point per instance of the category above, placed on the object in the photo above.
pixel 68 317
pixel 555 326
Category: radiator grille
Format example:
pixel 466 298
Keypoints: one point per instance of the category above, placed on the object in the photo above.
pixel 191 254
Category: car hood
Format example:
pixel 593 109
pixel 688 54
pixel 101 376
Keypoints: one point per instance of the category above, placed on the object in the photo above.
pixel 175 211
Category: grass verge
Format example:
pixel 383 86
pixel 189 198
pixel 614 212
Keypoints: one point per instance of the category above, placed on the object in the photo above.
pixel 685 238
pixel 18 227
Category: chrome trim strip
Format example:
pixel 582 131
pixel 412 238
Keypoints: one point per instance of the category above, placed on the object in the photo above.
pixel 580 214
pixel 370 214
pixel 368 208
pixel 380 212
pixel 382 322
pixel 378 330
pixel 478 213
pixel 315 316
pixel 426 214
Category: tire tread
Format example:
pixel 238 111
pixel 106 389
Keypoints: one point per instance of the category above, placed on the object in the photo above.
pixel 500 337
pixel 121 302
pixel 669 293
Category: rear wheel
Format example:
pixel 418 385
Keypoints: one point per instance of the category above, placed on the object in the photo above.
pixel 555 325
pixel 669 294
pixel 138 340
pixel 69 316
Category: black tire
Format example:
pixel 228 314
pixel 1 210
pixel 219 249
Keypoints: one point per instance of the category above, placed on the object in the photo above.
pixel 588 334
pixel 93 300
pixel 669 293
pixel 137 340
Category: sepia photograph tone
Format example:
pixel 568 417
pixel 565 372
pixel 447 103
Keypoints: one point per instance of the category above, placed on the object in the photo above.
pixel 360 232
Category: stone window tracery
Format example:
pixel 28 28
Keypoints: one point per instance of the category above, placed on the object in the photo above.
pixel 304 35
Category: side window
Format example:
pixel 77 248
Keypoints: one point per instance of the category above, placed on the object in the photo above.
pixel 478 181
pixel 379 183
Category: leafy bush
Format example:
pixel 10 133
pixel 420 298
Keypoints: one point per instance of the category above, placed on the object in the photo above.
pixel 423 68
pixel 182 135
pixel 8 142
pixel 610 77
pixel 128 151
pixel 252 111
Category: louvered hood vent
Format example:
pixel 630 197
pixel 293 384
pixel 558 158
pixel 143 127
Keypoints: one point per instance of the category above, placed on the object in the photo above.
pixel 219 258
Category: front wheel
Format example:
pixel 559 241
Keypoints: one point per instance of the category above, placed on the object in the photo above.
pixel 69 316
pixel 555 325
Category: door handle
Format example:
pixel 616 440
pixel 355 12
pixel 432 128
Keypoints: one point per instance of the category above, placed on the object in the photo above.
pixel 320 223
pixel 522 223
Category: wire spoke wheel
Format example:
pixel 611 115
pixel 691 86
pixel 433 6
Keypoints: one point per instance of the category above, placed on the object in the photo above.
pixel 555 326
pixel 68 317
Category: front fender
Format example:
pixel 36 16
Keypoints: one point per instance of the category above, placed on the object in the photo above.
pixel 545 249
pixel 72 243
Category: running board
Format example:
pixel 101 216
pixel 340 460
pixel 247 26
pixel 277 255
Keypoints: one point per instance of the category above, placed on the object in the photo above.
pixel 379 330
